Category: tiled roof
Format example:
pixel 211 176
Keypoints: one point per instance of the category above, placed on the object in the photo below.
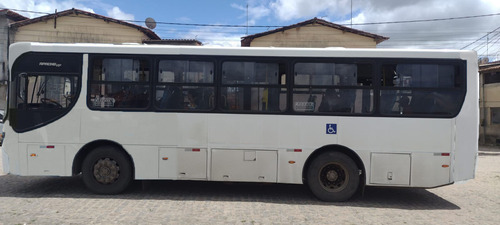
pixel 13 15
pixel 148 32
pixel 488 67
pixel 245 41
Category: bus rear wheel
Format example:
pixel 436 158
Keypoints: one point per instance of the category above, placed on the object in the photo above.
pixel 333 177
pixel 107 170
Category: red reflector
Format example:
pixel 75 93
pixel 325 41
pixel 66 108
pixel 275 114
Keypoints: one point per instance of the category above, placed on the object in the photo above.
pixel 196 149
pixel 50 146
pixel 445 154
pixel 297 150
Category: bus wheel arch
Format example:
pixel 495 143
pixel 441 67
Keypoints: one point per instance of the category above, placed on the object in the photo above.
pixel 347 160
pixel 107 156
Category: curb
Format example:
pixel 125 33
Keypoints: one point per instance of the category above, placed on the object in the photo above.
pixel 488 153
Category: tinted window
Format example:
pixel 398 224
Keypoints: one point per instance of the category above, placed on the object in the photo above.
pixel 421 75
pixel 185 85
pixel 337 101
pixel 250 73
pixel 253 86
pixel 46 91
pixel 119 83
pixel 184 97
pixel 333 74
pixel 333 88
pixel 185 71
pixel 125 70
pixel 421 89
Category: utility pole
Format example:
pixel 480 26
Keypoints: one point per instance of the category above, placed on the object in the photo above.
pixel 247 18
pixel 351 13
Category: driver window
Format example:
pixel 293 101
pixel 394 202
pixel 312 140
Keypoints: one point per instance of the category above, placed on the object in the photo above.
pixel 45 91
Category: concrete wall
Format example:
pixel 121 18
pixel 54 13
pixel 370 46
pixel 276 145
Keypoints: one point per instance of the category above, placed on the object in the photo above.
pixel 78 29
pixel 5 35
pixel 314 36
pixel 4 44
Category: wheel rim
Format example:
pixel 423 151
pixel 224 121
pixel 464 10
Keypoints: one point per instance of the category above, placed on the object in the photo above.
pixel 333 177
pixel 106 171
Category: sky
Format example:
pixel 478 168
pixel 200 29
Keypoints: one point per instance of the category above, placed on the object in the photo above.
pixel 476 33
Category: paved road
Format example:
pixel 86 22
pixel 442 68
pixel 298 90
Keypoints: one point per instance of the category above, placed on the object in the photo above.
pixel 46 200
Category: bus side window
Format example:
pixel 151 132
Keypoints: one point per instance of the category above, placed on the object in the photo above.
pixel 185 85
pixel 120 83
pixel 420 89
pixel 253 86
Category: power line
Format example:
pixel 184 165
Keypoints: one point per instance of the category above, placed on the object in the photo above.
pixel 234 29
pixel 277 26
pixel 429 20
pixel 28 11
pixel 480 38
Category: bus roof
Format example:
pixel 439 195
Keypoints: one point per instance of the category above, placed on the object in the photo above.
pixel 19 48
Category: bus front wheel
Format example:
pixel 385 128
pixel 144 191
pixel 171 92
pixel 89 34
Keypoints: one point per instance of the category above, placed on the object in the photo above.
pixel 333 177
pixel 107 170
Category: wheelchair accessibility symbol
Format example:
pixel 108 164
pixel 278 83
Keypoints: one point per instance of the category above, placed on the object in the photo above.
pixel 331 128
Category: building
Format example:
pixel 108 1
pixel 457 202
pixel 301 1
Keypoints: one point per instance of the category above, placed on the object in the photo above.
pixel 6 18
pixel 78 26
pixel 314 33
pixel 489 103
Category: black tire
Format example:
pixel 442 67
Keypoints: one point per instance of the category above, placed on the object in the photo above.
pixel 107 170
pixel 333 177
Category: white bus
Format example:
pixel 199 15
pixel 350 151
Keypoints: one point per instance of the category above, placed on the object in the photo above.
pixel 333 119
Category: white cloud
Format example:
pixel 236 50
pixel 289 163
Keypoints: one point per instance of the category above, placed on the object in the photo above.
pixel 48 6
pixel 117 13
pixel 256 11
pixel 439 34
pixel 297 9
pixel 213 36
pixel 183 19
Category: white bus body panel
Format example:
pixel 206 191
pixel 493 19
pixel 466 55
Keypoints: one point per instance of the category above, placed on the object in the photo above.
pixel 228 140
pixel 244 165
pixel 467 126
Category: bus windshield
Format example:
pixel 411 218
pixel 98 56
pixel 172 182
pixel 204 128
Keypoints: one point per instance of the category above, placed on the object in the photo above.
pixel 45 91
